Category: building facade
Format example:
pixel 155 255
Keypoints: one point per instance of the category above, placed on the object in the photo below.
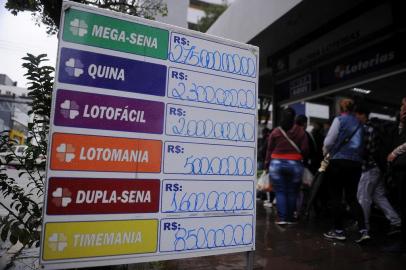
pixel 14 107
pixel 187 13
pixel 314 52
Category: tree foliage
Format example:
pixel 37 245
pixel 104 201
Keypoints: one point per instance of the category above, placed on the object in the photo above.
pixel 23 221
pixel 48 12
pixel 212 12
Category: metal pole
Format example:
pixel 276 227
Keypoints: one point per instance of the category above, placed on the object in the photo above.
pixel 250 260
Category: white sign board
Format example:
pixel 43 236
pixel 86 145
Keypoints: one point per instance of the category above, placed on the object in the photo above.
pixel 152 151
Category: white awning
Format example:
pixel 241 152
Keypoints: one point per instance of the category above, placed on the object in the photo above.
pixel 243 20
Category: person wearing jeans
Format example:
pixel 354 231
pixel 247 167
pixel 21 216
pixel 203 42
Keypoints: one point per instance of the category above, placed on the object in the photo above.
pixel 287 147
pixel 286 178
pixel 371 187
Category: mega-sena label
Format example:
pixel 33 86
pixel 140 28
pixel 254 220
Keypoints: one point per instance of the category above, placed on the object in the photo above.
pixel 110 33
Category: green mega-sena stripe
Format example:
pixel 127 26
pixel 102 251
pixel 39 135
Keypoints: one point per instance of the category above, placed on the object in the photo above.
pixel 119 35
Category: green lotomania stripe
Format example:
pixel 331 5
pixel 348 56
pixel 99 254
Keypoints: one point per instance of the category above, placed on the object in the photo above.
pixel 110 33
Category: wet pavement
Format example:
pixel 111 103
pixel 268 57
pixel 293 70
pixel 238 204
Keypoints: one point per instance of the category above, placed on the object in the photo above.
pixel 302 247
pixel 298 247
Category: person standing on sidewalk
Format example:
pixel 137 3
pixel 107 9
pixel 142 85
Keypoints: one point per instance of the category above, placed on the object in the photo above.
pixel 397 159
pixel 287 148
pixel 344 145
pixel 371 187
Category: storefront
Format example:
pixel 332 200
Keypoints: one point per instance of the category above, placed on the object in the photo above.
pixel 363 58
pixel 318 51
pixel 374 75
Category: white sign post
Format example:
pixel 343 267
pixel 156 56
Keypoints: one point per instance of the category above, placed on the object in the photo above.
pixel 152 151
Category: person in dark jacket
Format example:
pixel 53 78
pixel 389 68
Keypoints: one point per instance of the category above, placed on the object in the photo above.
pixel 344 145
pixel 287 147
pixel 320 203
pixel 371 187
pixel 399 172
pixel 262 147
pixel 318 136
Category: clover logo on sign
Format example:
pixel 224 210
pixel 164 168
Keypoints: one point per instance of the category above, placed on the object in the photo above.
pixel 57 242
pixel 69 109
pixel 74 67
pixel 339 71
pixel 61 197
pixel 78 27
pixel 65 152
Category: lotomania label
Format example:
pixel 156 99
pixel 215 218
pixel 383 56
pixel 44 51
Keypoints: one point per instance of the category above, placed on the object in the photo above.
pixel 110 72
pixel 84 110
pixel 72 240
pixel 73 152
pixel 71 196
pixel 120 35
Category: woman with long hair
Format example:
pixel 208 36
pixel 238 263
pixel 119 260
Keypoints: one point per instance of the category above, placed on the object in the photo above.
pixel 287 147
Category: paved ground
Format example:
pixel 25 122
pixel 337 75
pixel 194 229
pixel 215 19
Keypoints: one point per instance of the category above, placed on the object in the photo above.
pixel 301 248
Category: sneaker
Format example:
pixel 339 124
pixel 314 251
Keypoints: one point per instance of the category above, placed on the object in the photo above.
pixel 268 204
pixel 334 234
pixel 291 222
pixel 364 237
pixel 281 222
pixel 394 229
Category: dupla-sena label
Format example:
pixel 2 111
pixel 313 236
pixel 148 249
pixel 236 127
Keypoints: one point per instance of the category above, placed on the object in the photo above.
pixel 116 34
pixel 71 240
pixel 74 152
pixel 111 72
pixel 95 111
pixel 77 196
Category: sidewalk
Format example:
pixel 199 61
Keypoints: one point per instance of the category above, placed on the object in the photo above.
pixel 300 247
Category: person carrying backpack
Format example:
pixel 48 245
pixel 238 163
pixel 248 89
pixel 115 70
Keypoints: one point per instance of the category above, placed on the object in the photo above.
pixel 371 186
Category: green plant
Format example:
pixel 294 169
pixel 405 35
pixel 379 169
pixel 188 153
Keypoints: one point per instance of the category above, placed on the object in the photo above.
pixel 212 13
pixel 48 12
pixel 23 221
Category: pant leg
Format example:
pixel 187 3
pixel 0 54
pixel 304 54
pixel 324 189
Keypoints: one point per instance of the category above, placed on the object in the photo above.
pixel 294 174
pixel 335 188
pixel 366 188
pixel 402 194
pixel 279 187
pixel 353 174
pixel 380 199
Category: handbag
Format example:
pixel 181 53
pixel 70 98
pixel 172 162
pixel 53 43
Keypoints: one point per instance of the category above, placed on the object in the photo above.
pixel 326 160
pixel 307 178
pixel 263 183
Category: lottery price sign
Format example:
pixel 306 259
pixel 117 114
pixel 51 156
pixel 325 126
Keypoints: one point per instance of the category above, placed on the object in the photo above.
pixel 152 152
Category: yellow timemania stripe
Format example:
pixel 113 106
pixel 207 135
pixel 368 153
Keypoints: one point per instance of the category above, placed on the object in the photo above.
pixel 70 240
